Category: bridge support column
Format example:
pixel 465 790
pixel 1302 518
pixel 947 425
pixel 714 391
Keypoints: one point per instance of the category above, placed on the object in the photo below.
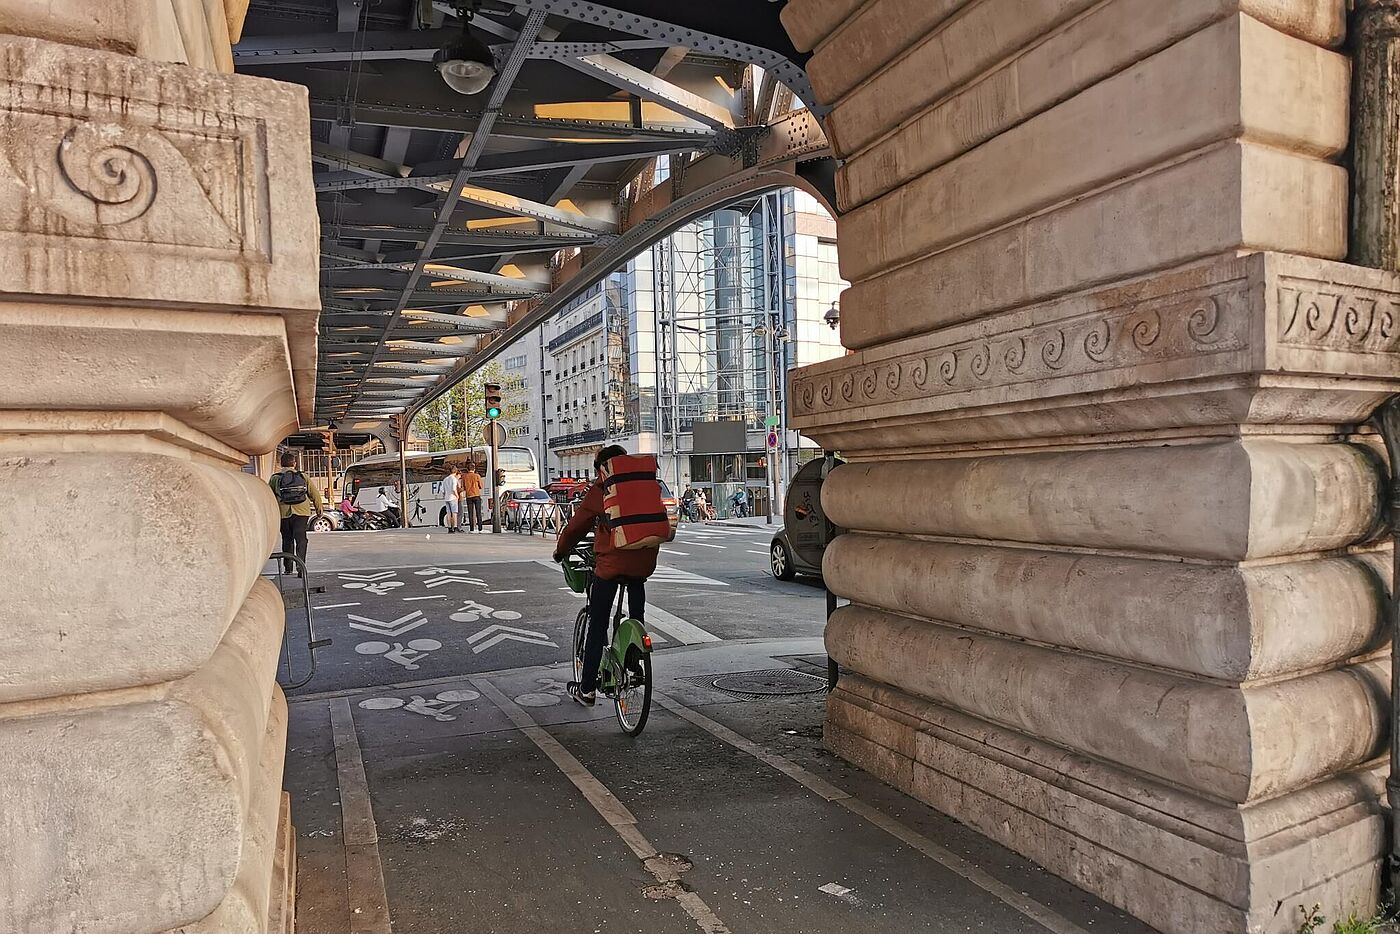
pixel 157 324
pixel 1115 562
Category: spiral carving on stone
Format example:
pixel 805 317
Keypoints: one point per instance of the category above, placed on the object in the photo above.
pixel 1313 319
pixel 869 384
pixel 1147 329
pixel 117 178
pixel 948 368
pixel 1015 356
pixel 806 393
pixel 848 387
pixel 894 377
pixel 919 373
pixel 981 362
pixel 828 393
pixel 1053 351
pixel 1202 322
pixel 1096 342
pixel 1352 320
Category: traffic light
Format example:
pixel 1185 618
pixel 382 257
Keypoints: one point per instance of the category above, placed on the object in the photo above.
pixel 493 400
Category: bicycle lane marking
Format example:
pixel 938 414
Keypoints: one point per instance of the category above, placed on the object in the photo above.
pixel 1040 914
pixel 607 805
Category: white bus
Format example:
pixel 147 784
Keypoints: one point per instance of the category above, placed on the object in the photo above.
pixel 426 473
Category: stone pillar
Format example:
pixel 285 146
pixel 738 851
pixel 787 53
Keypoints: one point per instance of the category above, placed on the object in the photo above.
pixel 1115 567
pixel 157 326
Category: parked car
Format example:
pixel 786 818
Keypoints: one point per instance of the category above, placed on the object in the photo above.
pixel 784 562
pixel 328 521
pixel 515 502
pixel 673 505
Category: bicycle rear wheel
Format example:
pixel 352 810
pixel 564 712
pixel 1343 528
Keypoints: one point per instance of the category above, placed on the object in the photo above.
pixel 580 639
pixel 633 699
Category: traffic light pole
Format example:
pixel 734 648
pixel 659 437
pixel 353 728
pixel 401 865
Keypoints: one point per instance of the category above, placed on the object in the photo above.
pixel 497 503
pixel 492 392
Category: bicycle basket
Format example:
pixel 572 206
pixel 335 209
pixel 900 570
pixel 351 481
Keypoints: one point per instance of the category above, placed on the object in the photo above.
pixel 575 573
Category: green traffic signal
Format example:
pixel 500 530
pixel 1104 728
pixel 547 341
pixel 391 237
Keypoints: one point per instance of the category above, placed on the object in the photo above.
pixel 493 412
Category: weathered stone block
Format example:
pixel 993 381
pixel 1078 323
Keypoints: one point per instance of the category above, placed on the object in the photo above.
pixel 1087 49
pixel 1181 863
pixel 1234 742
pixel 246 908
pixel 124 811
pixel 1166 217
pixel 196 32
pixel 177 561
pixel 1226 622
pixel 145 184
pixel 1248 81
pixel 1214 500
pixel 1239 340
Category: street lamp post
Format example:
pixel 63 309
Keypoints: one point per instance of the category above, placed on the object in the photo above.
pixel 771 338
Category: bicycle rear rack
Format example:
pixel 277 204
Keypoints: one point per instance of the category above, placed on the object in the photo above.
pixel 312 643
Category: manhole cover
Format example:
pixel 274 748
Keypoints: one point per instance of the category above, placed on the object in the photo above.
pixel 772 682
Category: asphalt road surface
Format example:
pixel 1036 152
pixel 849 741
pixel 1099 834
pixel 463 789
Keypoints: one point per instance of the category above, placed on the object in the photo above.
pixel 441 781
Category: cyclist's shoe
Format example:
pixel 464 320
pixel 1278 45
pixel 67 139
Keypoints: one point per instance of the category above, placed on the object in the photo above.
pixel 573 688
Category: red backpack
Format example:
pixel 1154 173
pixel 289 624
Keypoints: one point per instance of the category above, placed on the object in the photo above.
pixel 633 511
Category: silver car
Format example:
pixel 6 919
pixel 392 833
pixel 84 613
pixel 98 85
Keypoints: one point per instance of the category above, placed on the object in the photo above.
pixel 785 563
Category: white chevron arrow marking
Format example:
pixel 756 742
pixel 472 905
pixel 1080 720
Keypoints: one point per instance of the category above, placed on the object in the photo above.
pixel 449 579
pixel 396 628
pixel 366 577
pixel 498 634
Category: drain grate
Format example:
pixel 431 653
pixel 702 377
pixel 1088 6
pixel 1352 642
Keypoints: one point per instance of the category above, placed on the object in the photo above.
pixel 770 682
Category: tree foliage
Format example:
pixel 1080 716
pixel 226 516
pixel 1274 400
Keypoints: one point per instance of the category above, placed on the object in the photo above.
pixel 458 418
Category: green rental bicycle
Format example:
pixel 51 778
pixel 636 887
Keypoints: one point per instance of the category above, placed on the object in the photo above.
pixel 625 672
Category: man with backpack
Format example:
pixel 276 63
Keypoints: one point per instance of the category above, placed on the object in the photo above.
pixel 295 497
pixel 624 510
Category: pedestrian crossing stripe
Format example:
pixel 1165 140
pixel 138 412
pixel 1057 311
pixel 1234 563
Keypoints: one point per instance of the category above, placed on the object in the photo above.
pixel 665 575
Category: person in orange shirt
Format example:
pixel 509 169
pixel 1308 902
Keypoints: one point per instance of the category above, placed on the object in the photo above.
pixel 471 498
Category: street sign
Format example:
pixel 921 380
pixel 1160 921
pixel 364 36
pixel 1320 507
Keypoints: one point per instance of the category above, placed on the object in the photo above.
pixel 772 421
pixel 493 434
pixel 772 438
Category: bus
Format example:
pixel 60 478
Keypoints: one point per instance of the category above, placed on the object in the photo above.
pixel 427 472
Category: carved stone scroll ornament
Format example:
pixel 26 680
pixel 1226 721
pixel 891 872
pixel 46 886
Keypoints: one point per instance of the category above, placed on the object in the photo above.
pixel 117 182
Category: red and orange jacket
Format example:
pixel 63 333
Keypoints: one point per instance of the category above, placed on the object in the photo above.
pixel 611 563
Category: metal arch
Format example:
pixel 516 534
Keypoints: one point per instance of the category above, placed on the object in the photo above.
pixel 642 235
pixel 598 14
pixel 534 22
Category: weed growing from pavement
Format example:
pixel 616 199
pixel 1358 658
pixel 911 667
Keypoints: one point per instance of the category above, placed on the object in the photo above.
pixel 1384 921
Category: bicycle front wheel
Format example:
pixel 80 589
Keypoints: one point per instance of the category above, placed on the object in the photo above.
pixel 580 639
pixel 633 699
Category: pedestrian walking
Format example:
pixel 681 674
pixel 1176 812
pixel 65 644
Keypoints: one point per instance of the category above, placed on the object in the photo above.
pixel 452 499
pixel 296 498
pixel 471 497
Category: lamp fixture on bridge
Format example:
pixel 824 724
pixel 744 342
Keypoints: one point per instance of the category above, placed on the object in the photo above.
pixel 833 315
pixel 465 63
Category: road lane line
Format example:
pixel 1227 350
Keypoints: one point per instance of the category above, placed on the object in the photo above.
pixel 702 544
pixel 364 870
pixel 436 596
pixel 335 606
pixel 677 628
pixel 672 551
pixel 608 806
pixel 750 551
pixel 502 591
pixel 1041 914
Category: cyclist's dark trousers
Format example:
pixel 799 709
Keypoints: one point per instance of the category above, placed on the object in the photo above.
pixel 474 513
pixel 294 540
pixel 600 609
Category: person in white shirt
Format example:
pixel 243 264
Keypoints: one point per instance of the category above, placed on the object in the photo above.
pixel 383 502
pixel 452 498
